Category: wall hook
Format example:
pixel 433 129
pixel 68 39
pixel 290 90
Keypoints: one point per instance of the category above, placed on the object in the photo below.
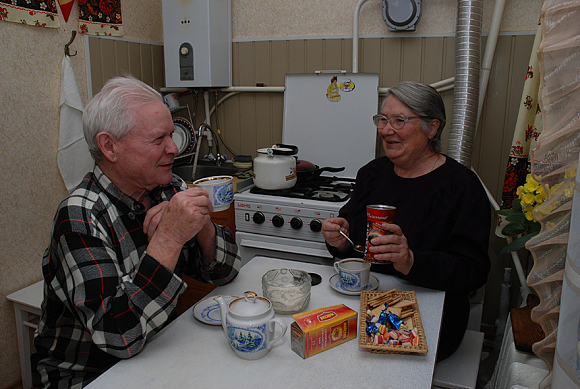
pixel 66 49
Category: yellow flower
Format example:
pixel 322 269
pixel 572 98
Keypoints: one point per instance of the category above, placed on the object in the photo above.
pixel 529 215
pixel 520 191
pixel 531 186
pixel 528 199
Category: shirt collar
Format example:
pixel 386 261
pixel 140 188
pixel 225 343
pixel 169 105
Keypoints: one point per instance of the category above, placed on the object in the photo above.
pixel 115 193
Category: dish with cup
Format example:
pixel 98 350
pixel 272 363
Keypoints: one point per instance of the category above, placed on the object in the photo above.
pixel 354 273
pixel 335 284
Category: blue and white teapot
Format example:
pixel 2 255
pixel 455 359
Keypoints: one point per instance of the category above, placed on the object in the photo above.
pixel 249 325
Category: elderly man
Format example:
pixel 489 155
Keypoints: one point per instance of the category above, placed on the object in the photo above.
pixel 121 241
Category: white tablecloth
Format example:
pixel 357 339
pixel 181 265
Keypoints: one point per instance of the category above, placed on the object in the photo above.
pixel 191 354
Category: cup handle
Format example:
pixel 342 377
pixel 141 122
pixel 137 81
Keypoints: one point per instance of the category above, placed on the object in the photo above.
pixel 336 267
pixel 272 325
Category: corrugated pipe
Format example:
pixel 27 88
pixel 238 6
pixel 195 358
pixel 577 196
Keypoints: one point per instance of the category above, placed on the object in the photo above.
pixel 467 65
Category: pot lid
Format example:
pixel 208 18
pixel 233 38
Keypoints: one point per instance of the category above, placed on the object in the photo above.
pixel 280 149
pixel 249 305
pixel 305 165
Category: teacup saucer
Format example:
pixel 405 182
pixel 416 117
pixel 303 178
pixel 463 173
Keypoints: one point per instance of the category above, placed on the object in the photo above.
pixel 336 285
pixel 208 310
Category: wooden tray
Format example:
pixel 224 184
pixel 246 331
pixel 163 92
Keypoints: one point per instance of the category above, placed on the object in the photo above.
pixel 363 339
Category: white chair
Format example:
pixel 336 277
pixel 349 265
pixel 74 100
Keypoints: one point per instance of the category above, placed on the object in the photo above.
pixel 460 370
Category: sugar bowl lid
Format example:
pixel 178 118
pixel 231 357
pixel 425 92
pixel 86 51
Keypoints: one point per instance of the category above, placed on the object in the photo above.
pixel 250 304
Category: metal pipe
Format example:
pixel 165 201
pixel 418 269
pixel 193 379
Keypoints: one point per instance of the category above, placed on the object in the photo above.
pixel 253 89
pixel 489 53
pixel 355 35
pixel 467 65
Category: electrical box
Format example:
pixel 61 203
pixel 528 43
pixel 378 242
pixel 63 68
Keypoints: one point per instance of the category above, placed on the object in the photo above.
pixel 197 37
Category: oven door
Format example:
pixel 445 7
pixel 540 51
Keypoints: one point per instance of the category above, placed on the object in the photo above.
pixel 251 245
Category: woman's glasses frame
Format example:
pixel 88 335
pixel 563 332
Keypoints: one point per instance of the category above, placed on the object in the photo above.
pixel 396 121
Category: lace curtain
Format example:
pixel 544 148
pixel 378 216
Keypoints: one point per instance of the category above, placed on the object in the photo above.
pixel 556 272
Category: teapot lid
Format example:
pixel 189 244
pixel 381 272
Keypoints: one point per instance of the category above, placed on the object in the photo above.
pixel 250 304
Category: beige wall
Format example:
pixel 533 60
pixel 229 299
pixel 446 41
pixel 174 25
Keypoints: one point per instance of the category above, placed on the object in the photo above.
pixel 299 18
pixel 31 184
pixel 30 89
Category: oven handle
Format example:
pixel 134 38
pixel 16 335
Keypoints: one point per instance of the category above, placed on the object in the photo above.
pixel 284 248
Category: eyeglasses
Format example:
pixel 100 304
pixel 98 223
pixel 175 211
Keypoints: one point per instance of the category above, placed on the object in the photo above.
pixel 396 121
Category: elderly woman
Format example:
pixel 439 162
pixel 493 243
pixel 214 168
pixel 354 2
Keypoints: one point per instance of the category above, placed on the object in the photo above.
pixel 439 237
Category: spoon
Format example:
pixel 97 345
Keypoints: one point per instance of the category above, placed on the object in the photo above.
pixel 357 247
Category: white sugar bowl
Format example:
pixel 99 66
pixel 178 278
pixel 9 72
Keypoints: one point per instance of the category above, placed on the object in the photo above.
pixel 287 289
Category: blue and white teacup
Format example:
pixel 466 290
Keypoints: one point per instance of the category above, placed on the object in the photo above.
pixel 220 190
pixel 353 273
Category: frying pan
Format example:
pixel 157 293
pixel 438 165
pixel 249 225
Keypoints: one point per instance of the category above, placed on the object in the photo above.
pixel 307 170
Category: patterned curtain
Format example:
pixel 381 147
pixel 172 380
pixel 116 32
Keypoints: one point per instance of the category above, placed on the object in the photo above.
pixel 96 17
pixel 40 13
pixel 528 128
pixel 100 17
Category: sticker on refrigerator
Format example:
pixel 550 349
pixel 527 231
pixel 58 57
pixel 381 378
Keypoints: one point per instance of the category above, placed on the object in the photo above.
pixel 347 86
pixel 332 90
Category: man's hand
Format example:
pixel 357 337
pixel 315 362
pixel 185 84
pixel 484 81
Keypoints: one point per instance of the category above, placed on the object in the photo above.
pixel 152 219
pixel 170 226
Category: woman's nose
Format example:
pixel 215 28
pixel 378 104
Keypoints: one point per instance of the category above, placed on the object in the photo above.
pixel 387 130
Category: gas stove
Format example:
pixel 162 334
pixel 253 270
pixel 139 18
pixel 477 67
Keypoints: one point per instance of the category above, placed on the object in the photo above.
pixel 294 213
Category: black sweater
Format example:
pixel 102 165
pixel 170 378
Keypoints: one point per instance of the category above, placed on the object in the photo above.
pixel 445 216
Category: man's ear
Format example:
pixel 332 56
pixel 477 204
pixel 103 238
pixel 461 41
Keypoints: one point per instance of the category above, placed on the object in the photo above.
pixel 433 127
pixel 107 145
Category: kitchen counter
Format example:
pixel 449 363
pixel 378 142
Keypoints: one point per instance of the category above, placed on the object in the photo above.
pixel 189 353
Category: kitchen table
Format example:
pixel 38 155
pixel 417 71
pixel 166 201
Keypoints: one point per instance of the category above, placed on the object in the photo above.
pixel 189 353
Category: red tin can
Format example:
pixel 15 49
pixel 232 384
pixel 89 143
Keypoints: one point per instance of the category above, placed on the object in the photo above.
pixel 377 215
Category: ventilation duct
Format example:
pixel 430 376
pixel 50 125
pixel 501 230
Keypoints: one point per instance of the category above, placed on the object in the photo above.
pixel 467 65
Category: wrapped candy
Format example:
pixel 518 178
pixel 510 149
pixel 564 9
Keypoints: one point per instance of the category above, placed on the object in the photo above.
pixel 372 330
pixel 395 320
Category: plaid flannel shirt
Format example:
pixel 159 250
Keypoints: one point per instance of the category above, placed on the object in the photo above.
pixel 104 296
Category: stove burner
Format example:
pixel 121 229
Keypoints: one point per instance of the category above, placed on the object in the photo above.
pixel 322 188
pixel 327 195
pixel 344 187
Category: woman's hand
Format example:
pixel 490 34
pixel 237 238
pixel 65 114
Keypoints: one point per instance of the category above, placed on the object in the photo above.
pixel 330 228
pixel 393 248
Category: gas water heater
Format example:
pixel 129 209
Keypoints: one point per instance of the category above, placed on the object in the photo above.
pixel 197 38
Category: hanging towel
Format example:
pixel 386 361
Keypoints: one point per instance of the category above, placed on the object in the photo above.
pixel 74 159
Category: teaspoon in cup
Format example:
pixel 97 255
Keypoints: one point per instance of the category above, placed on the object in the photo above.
pixel 357 247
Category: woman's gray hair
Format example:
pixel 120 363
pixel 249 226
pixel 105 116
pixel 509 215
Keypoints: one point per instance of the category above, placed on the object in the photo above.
pixel 112 109
pixel 426 103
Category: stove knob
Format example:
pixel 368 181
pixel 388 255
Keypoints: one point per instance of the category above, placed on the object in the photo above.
pixel 258 218
pixel 278 221
pixel 296 223
pixel 316 225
